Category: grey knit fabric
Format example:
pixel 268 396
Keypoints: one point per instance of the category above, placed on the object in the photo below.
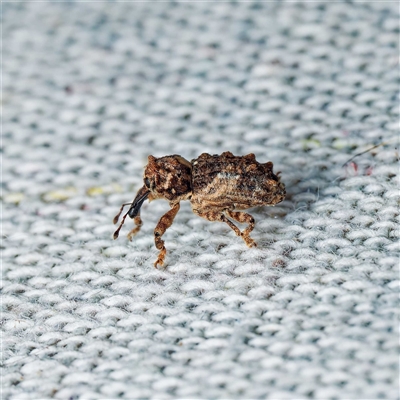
pixel 91 89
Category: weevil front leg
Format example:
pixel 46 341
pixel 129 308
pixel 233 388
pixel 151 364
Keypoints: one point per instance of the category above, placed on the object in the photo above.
pixel 243 217
pixel 163 224
pixel 138 222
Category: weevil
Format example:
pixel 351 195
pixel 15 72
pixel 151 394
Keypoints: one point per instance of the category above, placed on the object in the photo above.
pixel 218 187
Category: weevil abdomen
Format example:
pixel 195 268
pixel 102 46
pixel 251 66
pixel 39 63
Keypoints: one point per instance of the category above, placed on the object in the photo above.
pixel 227 182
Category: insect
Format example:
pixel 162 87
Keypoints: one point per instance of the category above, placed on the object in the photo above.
pixel 217 186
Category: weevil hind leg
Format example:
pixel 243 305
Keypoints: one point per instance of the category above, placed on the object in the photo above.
pixel 218 216
pixel 243 217
pixel 163 224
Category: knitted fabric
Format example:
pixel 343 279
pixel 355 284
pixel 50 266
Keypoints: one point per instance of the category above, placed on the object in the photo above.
pixel 90 89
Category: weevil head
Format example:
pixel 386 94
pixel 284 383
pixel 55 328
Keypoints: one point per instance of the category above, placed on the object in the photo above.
pixel 275 186
pixel 168 178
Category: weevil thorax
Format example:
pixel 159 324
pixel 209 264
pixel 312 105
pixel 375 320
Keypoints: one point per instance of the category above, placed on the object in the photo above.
pixel 168 178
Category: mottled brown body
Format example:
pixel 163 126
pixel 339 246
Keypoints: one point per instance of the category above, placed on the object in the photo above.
pixel 216 185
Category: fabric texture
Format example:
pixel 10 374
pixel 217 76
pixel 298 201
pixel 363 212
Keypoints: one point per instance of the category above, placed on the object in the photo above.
pixel 90 89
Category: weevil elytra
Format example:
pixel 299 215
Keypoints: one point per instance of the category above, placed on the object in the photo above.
pixel 217 186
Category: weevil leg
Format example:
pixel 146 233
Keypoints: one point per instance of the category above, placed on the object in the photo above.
pixel 243 217
pixel 163 224
pixel 138 222
pixel 218 216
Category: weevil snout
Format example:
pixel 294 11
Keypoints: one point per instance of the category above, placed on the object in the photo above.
pixel 133 212
pixel 141 196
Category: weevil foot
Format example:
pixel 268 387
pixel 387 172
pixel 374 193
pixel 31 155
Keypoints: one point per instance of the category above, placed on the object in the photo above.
pixel 161 258
pixel 249 241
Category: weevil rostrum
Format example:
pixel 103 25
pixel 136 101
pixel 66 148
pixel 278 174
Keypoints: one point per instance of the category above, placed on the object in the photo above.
pixel 218 187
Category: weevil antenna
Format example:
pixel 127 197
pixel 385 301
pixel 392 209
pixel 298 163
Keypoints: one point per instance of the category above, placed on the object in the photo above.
pixel 116 218
pixel 116 233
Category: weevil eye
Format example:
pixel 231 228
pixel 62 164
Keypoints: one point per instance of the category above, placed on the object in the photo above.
pixel 147 182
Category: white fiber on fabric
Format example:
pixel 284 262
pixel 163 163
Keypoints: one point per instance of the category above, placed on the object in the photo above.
pixel 90 89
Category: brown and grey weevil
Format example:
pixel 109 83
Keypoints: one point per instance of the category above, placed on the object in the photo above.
pixel 217 186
